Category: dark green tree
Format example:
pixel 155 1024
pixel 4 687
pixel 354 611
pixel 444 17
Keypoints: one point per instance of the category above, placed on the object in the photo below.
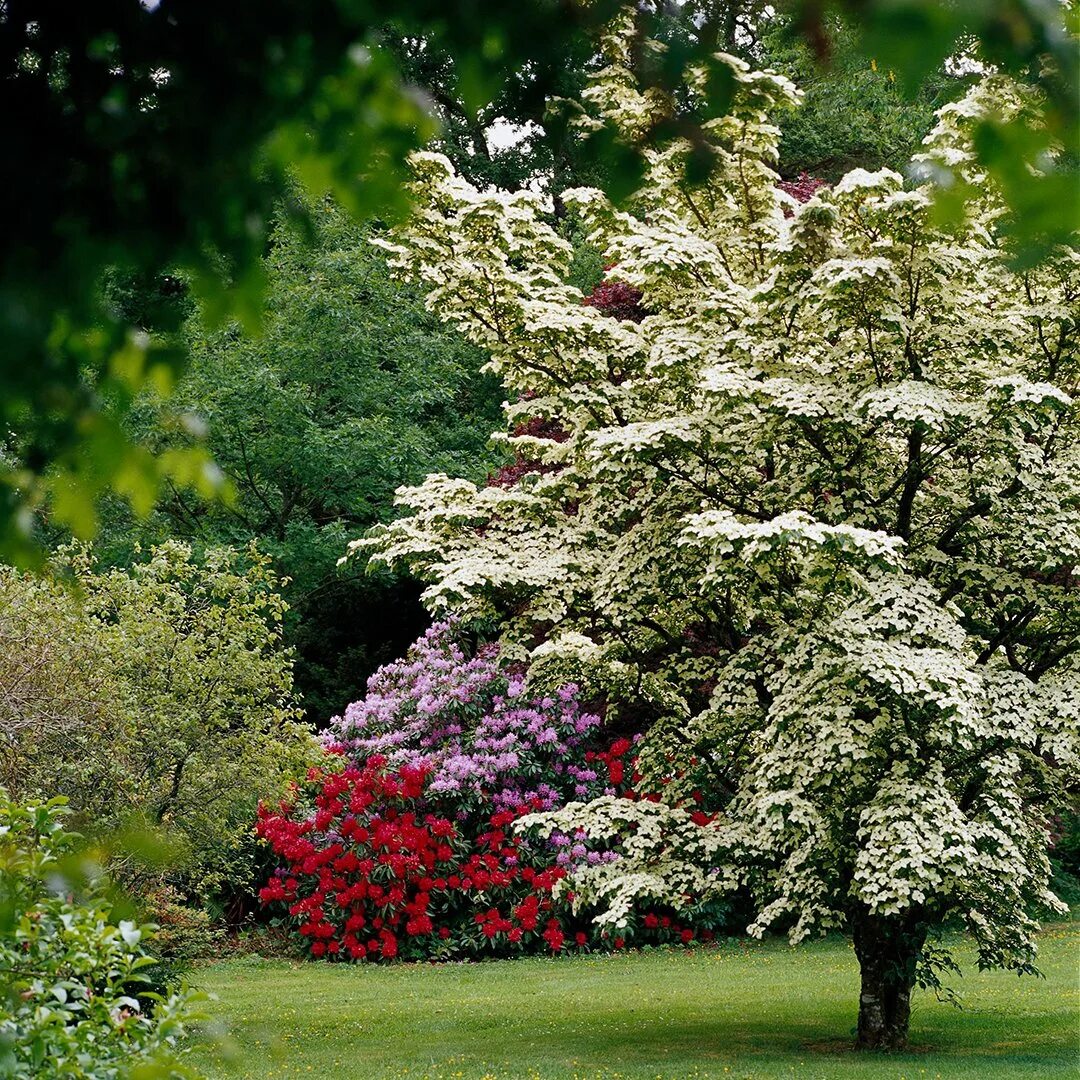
pixel 856 113
pixel 351 390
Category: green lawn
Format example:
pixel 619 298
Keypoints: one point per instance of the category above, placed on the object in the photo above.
pixel 738 1010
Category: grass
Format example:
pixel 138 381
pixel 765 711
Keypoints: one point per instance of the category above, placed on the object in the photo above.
pixel 738 1010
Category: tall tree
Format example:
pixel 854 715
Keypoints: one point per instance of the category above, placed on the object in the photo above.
pixel 817 514
pixel 351 390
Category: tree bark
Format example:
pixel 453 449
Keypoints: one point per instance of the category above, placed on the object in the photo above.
pixel 888 950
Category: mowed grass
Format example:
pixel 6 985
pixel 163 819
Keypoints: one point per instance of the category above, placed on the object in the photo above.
pixel 738 1010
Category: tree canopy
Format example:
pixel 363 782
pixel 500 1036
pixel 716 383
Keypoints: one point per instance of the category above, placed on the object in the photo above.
pixel 160 137
pixel 157 699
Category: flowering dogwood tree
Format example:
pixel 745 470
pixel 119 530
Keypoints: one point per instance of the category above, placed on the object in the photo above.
pixel 817 514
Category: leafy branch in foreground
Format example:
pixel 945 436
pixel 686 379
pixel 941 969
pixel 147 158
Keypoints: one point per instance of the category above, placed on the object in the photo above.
pixel 73 996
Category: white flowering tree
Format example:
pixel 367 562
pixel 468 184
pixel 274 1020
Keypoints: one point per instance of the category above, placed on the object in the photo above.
pixel 817 516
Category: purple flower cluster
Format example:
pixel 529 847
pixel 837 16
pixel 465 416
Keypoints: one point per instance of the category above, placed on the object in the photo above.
pixel 471 722
pixel 573 851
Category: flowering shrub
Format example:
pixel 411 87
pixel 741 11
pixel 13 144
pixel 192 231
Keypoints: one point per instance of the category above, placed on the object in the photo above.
pixel 803 188
pixel 617 299
pixel 481 742
pixel 371 872
pixel 406 846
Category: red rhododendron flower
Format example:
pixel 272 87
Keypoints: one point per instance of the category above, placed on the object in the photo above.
pixel 358 848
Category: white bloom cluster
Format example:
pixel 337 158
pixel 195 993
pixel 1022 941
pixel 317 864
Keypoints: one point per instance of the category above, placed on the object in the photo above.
pixel 818 512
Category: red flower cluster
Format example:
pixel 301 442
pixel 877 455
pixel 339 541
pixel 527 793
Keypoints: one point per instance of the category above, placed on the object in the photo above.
pixel 372 870
pixel 617 299
pixel 625 778
pixel 370 875
pixel 613 758
pixel 668 930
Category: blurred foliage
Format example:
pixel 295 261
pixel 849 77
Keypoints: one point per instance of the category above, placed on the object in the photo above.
pixel 158 700
pixel 351 390
pixel 155 139
pixel 74 1000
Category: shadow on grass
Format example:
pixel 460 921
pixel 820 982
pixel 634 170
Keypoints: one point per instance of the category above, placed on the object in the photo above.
pixel 728 1013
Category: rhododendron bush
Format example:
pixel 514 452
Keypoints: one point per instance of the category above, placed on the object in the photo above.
pixel 814 519
pixel 485 743
pixel 403 846
pixel 370 871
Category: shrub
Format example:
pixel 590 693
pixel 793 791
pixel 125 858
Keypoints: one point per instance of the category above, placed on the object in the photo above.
pixel 74 1003
pixel 407 847
pixel 617 299
pixel 371 871
pixel 184 932
pixel 161 693
pixel 484 745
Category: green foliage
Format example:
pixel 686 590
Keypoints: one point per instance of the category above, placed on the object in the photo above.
pixel 855 112
pixel 73 1002
pixel 158 138
pixel 1067 843
pixel 351 390
pixel 1032 157
pixel 1065 856
pixel 185 932
pixel 157 700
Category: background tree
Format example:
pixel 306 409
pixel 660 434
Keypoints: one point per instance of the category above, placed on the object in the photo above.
pixel 158 698
pixel 816 515
pixel 855 113
pixel 351 390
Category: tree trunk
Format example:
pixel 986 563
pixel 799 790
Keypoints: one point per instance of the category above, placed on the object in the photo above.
pixel 888 950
